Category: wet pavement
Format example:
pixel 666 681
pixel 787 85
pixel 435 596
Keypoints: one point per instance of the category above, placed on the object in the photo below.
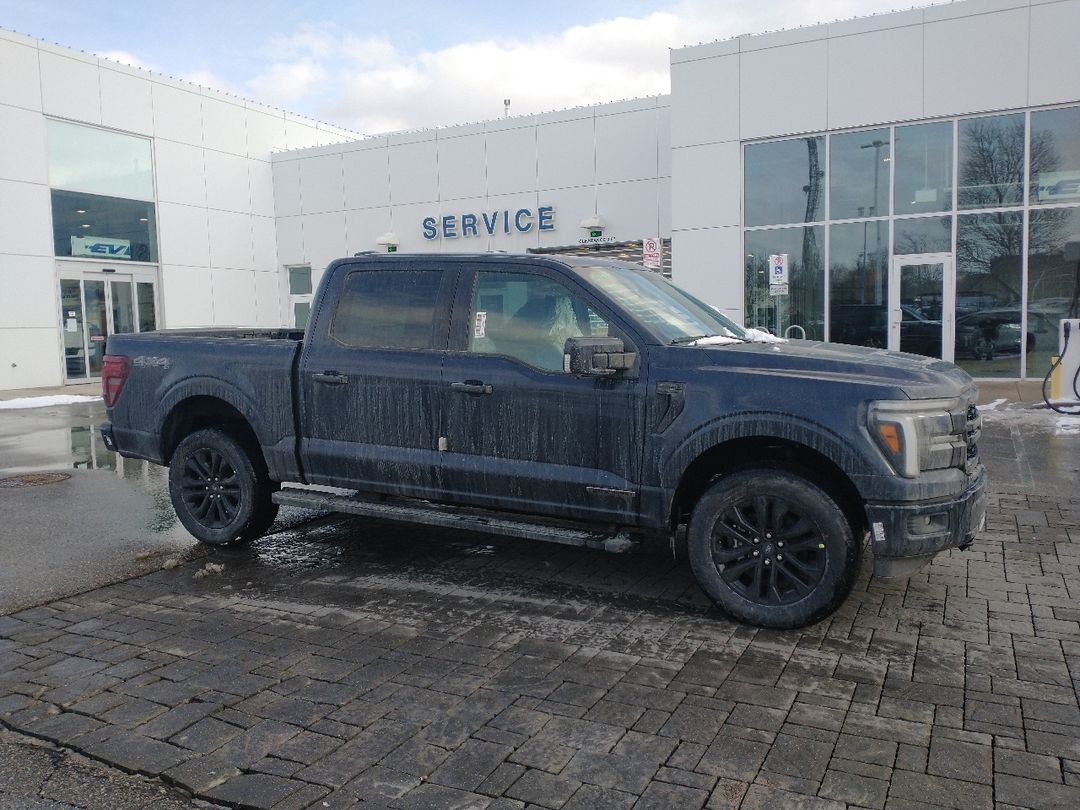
pixel 342 661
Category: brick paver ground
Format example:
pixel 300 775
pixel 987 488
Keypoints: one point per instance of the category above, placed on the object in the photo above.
pixel 408 671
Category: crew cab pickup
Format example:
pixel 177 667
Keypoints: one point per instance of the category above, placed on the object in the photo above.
pixel 573 399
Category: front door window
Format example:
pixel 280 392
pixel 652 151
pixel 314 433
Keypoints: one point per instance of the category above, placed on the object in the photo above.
pixel 921 307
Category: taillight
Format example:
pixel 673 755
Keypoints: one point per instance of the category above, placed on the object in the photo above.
pixel 114 372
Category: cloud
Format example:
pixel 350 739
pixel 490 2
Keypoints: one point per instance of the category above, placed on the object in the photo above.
pixel 369 84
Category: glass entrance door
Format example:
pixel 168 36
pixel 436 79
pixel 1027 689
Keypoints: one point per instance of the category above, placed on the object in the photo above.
pixel 922 292
pixel 96 304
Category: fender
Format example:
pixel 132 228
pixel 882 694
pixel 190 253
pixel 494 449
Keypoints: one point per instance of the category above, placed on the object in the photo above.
pixel 207 386
pixel 762 424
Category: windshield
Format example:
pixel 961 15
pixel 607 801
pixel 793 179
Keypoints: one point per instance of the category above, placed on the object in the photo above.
pixel 671 314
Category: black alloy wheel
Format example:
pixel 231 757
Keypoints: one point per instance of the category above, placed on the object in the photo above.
pixel 220 488
pixel 771 548
pixel 211 488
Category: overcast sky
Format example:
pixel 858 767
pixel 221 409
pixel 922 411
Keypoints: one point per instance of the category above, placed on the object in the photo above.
pixel 383 66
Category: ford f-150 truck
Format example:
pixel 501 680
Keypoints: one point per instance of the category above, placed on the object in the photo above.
pixel 562 398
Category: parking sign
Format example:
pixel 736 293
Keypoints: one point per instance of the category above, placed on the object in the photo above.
pixel 778 274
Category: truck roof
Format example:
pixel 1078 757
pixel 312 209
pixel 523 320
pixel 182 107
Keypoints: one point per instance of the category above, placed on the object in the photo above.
pixel 566 259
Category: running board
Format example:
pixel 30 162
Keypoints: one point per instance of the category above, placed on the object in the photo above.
pixel 429 514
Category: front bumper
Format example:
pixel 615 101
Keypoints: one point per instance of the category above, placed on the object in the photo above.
pixel 906 536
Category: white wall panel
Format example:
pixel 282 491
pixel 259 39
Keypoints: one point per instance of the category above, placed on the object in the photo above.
pixel 286 187
pixel 1055 53
pixel 26 224
pixel 34 278
pixel 268 299
pixel 702 264
pixel 227 182
pixel 627 210
pixel 706 186
pixel 20 83
pixel 234 297
pixel 363 227
pixel 290 240
pixel 261 183
pixel 126 102
pixel 265 133
pixel 230 240
pixel 663 141
pixel 571 206
pixel 22 145
pixel 783 91
pixel 180 174
pixel 511 160
pixel 31 358
pixel 462 167
pixel 264 244
pixel 322 184
pixel 414 169
pixel 977 63
pixel 184 235
pixel 367 183
pixel 324 237
pixel 626 146
pixel 177 114
pixel 876 77
pixel 565 154
pixel 663 202
pixel 405 222
pixel 299 133
pixel 69 87
pixel 705 101
pixel 185 292
pixel 224 126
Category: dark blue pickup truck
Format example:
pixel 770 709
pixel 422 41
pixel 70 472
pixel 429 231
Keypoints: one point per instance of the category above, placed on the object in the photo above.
pixel 570 399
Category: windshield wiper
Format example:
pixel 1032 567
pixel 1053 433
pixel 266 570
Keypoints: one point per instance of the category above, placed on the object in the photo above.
pixel 688 339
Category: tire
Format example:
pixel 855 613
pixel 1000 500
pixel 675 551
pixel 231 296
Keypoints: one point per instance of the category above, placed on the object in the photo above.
pixel 220 489
pixel 772 549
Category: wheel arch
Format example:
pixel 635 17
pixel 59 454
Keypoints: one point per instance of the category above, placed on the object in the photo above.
pixel 775 441
pixel 200 411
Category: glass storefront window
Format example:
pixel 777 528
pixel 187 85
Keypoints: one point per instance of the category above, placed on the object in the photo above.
pixel 784 181
pixel 859 283
pixel 922 235
pixel 923 173
pixel 300 280
pixel 94 227
pixel 991 157
pixel 989 282
pixel 1053 281
pixel 99 162
pixel 859 169
pixel 805 305
pixel 1055 156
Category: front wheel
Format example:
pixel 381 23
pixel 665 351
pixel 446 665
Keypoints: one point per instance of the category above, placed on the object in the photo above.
pixel 220 490
pixel 772 549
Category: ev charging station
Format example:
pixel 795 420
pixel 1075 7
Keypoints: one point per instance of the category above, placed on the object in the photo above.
pixel 1064 374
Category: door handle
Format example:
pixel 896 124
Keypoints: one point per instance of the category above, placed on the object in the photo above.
pixel 330 378
pixel 474 387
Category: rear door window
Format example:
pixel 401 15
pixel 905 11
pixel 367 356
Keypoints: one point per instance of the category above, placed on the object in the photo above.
pixel 390 309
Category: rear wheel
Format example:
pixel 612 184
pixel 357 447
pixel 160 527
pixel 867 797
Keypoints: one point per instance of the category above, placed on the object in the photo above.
pixel 220 489
pixel 772 549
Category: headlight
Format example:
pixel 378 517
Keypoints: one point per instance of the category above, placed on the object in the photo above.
pixel 918 435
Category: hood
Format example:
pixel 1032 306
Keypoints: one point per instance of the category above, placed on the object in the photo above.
pixel 917 376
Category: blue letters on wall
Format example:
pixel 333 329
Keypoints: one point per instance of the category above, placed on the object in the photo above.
pixel 523 220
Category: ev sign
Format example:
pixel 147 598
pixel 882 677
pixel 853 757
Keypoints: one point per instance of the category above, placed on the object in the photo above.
pixel 778 274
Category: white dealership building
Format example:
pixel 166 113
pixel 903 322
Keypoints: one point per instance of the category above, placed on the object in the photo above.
pixel 920 172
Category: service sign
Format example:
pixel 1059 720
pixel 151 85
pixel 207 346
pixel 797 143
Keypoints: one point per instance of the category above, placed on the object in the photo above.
pixel 101 247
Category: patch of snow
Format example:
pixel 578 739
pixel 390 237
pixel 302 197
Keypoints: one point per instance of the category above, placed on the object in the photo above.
pixel 1067 426
pixel 992 406
pixel 714 340
pixel 761 336
pixel 45 402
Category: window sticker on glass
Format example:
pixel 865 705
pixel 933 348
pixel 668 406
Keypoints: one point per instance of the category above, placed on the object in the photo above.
pixel 480 327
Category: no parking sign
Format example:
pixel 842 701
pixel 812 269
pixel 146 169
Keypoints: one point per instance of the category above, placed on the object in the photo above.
pixel 650 252
pixel 778 274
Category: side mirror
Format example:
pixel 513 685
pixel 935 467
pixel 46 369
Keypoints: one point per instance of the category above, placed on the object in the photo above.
pixel 596 356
